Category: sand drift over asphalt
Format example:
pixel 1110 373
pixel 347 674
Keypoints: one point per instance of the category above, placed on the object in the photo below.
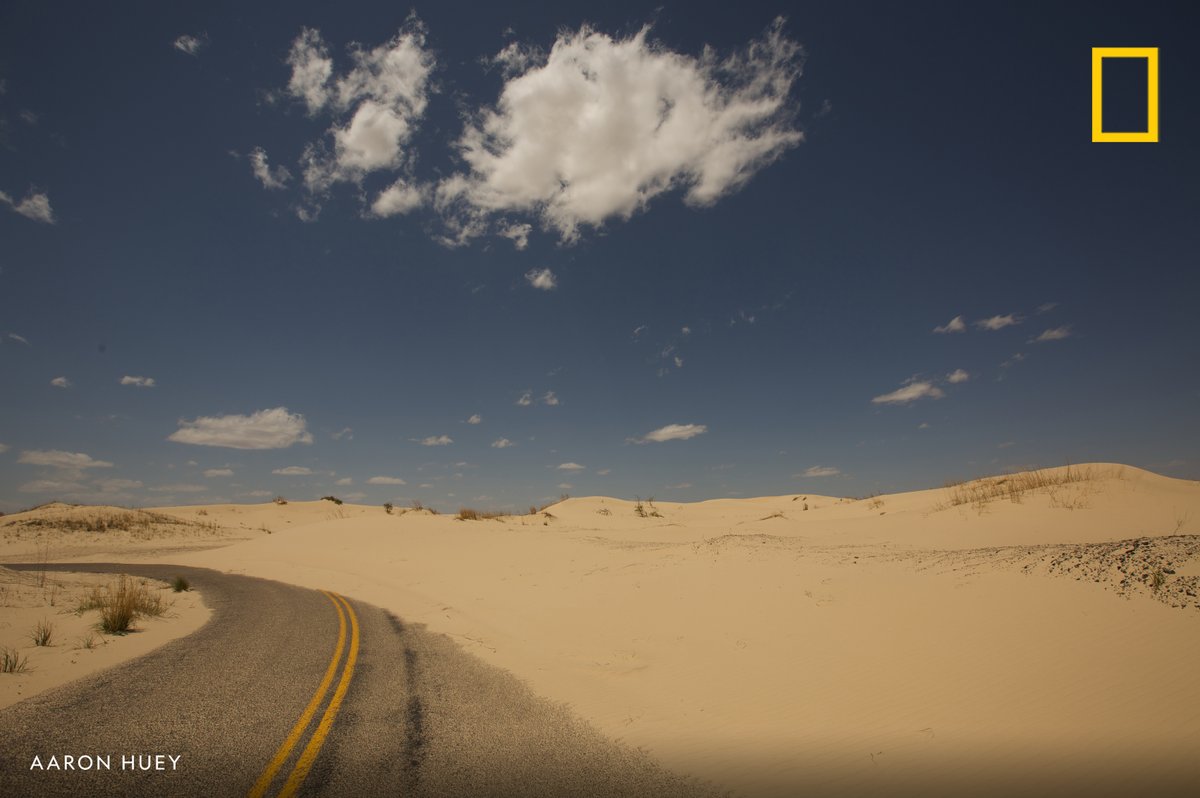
pixel 981 638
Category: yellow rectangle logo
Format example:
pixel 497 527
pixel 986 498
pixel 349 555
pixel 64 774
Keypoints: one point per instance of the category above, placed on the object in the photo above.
pixel 1151 56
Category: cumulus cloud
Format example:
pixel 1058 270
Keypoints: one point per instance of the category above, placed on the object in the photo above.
pixel 218 472
pixel 955 325
pixel 475 419
pixel 502 443
pixel 436 440
pixel 1056 334
pixel 571 467
pixel 55 458
pixel 517 233
pixel 599 127
pixel 542 278
pixel 192 45
pixel 293 471
pixel 911 392
pixel 35 206
pixel 998 322
pixel 271 177
pixel 140 382
pixel 551 399
pixel 957 376
pixel 672 432
pixel 60 382
pixel 266 429
pixel 386 481
pixel 374 108
pixel 526 399
pixel 820 471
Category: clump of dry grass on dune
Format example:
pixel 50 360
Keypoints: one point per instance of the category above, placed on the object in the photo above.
pixel 980 493
pixel 122 602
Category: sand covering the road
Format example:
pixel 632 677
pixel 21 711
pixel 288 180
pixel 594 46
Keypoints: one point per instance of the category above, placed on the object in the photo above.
pixel 1048 625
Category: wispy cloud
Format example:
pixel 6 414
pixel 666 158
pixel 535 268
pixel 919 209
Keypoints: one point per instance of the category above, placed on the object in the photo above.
pixel 999 322
pixel 475 419
pixel 344 432
pixel 180 488
pixel 518 234
pixel 55 458
pixel 599 127
pixel 955 325
pixel 61 382
pixel 502 443
pixel 35 206
pixel 820 471
pixel 1056 334
pixel 542 278
pixel 672 432
pixel 550 398
pixel 140 382
pixel 344 481
pixel 218 472
pixel 911 392
pixel 3 448
pixel 19 338
pixel 571 467
pixel 266 429
pixel 1046 307
pixel 957 376
pixel 192 45
pixel 526 399
pixel 293 471
pixel 436 440
pixel 272 178
pixel 386 481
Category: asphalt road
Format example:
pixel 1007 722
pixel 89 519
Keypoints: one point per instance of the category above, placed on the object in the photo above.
pixel 370 705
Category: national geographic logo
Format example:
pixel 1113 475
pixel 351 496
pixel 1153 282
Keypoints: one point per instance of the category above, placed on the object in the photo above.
pixel 1132 125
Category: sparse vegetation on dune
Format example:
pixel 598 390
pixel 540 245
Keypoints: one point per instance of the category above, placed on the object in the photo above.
pixel 80 519
pixel 121 602
pixel 980 493
pixel 42 633
pixel 333 499
pixel 11 661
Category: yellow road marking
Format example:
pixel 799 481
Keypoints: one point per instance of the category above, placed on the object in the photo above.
pixel 309 756
pixel 285 750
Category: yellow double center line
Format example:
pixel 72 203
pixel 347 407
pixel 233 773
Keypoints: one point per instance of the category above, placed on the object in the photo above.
pixel 309 754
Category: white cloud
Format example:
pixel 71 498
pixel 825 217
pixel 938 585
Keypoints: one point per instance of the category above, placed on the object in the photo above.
pixel 1056 334
pixel 55 458
pixel 820 471
pixel 526 399
pixel 397 199
pixel 116 485
pixel 344 481
pixel 998 322
pixel 955 325
pixel 957 376
pixel 375 107
pixel 502 443
pixel 258 493
pixel 345 432
pixel 679 486
pixel 518 234
pixel 911 392
pixel 19 338
pixel 475 419
pixel 436 440
pixel 673 432
pixel 565 486
pixel 603 472
pixel 35 206
pixel 60 487
pixel 923 425
pixel 218 472
pixel 293 471
pixel 551 399
pixel 386 481
pixel 271 177
pixel 357 496
pixel 192 45
pixel 60 382
pixel 1046 307
pixel 266 429
pixel 571 467
pixel 140 382
pixel 180 488
pixel 542 278
pixel 599 127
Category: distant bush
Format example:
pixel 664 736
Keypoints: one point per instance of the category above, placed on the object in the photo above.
pixel 387 507
pixel 180 584
pixel 333 499
pixel 467 514
pixel 279 500
pixel 123 601
pixel 416 505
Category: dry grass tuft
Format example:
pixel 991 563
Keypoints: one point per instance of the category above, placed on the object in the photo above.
pixel 42 633
pixel 1014 487
pixel 120 603
pixel 11 661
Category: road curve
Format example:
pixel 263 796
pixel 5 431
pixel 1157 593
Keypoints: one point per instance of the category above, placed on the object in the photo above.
pixel 371 706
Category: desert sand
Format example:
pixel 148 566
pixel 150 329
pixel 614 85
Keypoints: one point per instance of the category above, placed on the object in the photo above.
pixel 1041 627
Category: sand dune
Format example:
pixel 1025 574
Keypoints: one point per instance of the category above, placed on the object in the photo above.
pixel 1040 628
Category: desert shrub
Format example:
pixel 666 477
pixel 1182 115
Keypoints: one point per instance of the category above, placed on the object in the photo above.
pixel 180 584
pixel 387 507
pixel 125 600
pixel 11 661
pixel 467 514
pixel 42 633
pixel 417 505
pixel 279 500
pixel 333 499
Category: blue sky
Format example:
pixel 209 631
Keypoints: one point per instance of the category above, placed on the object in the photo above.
pixel 487 255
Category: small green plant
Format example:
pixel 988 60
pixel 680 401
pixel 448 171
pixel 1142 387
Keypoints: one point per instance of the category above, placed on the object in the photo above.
pixel 180 584
pixel 388 507
pixel 11 661
pixel 42 633
pixel 333 499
